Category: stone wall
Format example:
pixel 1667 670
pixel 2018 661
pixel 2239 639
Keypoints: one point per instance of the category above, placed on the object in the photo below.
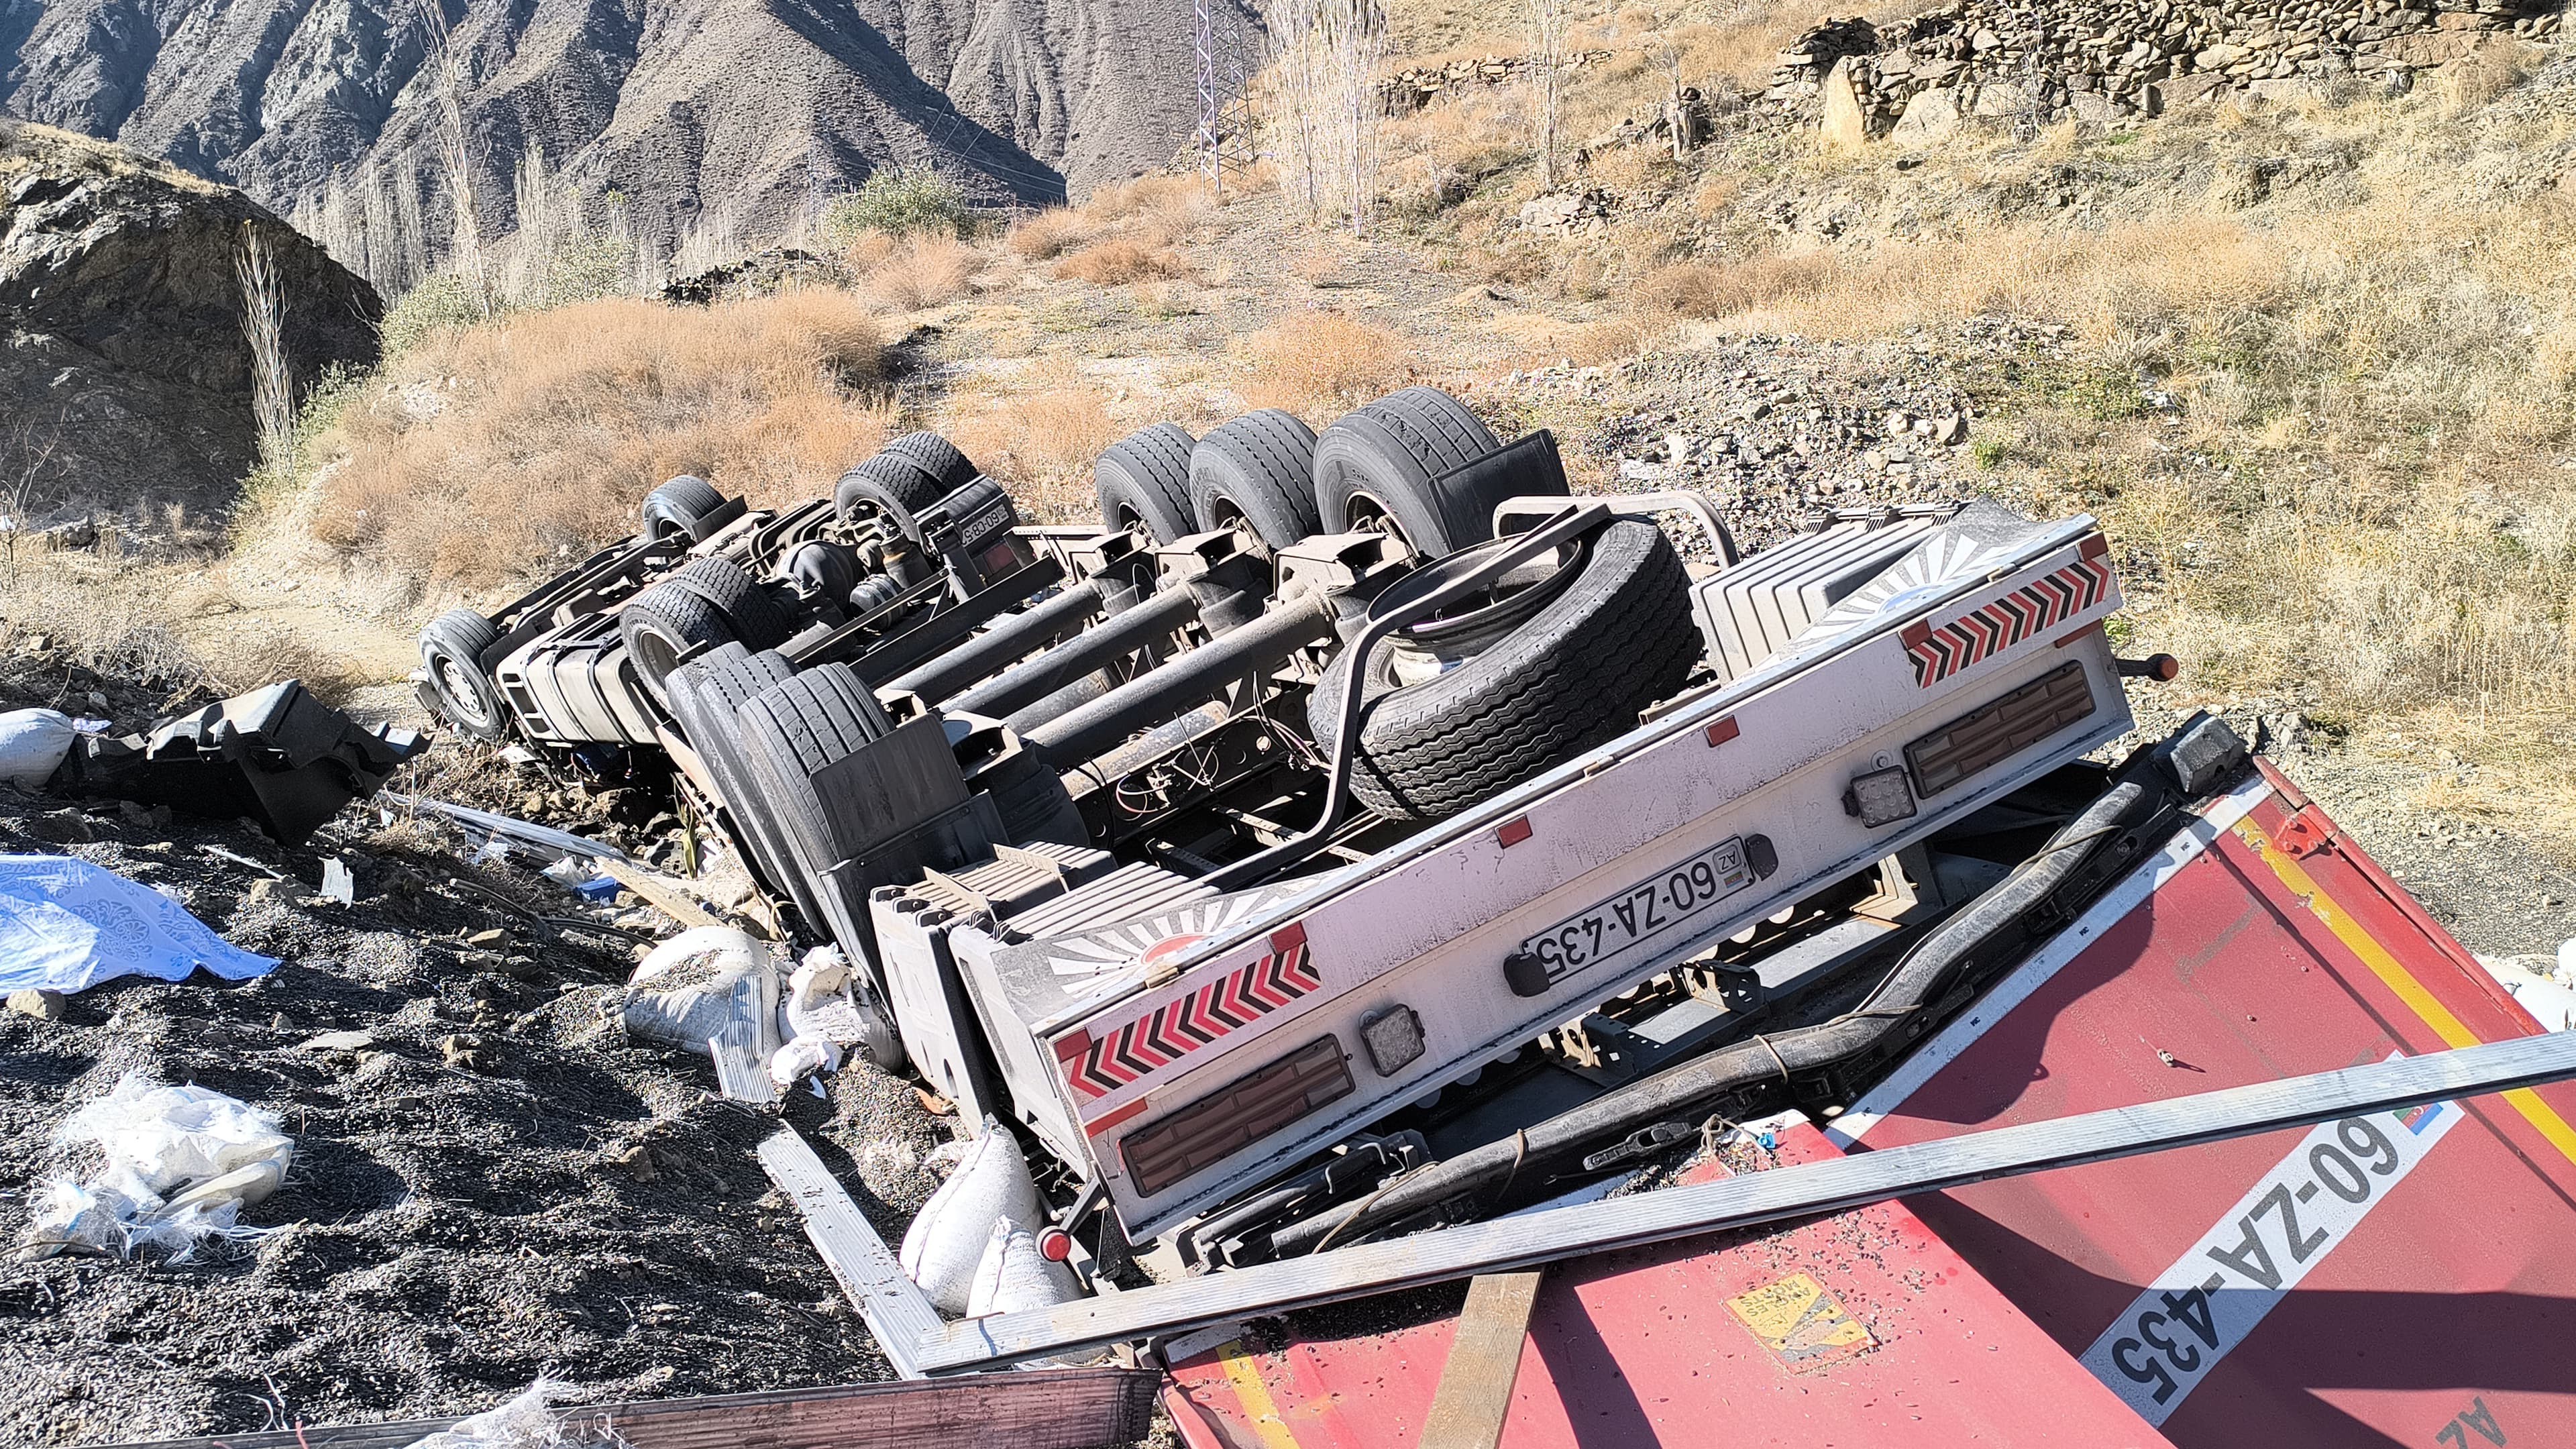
pixel 2102 60
pixel 1417 86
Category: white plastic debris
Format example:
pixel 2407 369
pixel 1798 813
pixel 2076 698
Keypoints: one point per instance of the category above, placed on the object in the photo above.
pixel 526 1422
pixel 825 999
pixel 946 1242
pixel 1014 1276
pixel 180 1163
pixel 803 1057
pixel 66 925
pixel 32 745
pixel 2531 982
pixel 693 984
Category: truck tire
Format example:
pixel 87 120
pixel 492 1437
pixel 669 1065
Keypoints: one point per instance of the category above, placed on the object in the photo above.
pixel 674 509
pixel 1611 640
pixel 705 601
pixel 707 695
pixel 1144 481
pixel 895 488
pixel 1257 471
pixel 938 457
pixel 1379 466
pixel 794 728
pixel 451 654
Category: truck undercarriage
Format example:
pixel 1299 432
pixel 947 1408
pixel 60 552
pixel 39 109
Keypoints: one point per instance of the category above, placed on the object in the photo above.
pixel 1356 835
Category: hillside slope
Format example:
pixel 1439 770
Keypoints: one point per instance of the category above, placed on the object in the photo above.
pixel 722 114
pixel 125 381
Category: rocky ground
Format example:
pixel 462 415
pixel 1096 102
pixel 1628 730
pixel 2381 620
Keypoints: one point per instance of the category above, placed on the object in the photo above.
pixel 491 1182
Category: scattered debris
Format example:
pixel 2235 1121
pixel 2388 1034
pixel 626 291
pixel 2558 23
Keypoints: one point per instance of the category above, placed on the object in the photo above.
pixel 181 1164
pixel 945 1246
pixel 33 743
pixel 275 755
pixel 66 925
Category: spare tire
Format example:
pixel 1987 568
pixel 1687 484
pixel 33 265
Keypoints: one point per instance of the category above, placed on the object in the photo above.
pixel 1381 466
pixel 675 509
pixel 1144 482
pixel 1257 472
pixel 451 654
pixel 792 730
pixel 938 457
pixel 704 602
pixel 1490 695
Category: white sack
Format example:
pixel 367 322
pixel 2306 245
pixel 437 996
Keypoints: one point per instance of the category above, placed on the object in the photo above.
pixel 180 1164
pixel 1014 1276
pixel 946 1242
pixel 690 986
pixel 825 999
pixel 802 1058
pixel 32 745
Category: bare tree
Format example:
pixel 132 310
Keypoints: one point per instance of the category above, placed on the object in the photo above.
pixel 455 152
pixel 272 387
pixel 1547 73
pixel 1326 108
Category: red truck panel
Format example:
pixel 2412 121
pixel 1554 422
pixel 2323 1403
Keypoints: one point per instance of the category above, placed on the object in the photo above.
pixel 2431 1303
pixel 1856 1330
pixel 2437 1291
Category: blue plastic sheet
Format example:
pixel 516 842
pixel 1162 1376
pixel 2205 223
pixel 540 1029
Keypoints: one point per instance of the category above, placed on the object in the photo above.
pixel 66 925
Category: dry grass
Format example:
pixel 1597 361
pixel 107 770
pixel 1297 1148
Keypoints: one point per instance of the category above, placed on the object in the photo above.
pixel 914 272
pixel 1042 440
pixel 1119 262
pixel 141 622
pixel 479 455
pixel 1323 365
pixel 1050 234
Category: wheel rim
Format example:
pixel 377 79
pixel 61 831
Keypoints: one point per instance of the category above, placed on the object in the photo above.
pixel 1367 513
pixel 463 693
pixel 1467 627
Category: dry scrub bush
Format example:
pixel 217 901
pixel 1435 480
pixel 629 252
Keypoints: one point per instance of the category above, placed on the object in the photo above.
pixel 1043 442
pixel 920 271
pixel 1323 365
pixel 486 450
pixel 1050 234
pixel 131 621
pixel 1121 261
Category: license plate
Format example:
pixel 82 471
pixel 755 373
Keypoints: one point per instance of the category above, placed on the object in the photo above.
pixel 2210 1300
pixel 1649 911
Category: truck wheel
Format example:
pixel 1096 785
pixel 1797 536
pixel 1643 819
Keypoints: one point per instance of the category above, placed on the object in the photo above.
pixel 1144 482
pixel 1257 472
pixel 707 695
pixel 938 457
pixel 703 602
pixel 451 653
pixel 796 727
pixel 1496 690
pixel 1380 466
pixel 673 510
pixel 889 487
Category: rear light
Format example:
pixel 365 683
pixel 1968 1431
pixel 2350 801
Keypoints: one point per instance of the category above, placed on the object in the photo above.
pixel 1055 1245
pixel 1236 1116
pixel 1991 734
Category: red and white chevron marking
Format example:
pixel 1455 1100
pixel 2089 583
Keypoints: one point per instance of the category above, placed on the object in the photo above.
pixel 1097 1066
pixel 2017 616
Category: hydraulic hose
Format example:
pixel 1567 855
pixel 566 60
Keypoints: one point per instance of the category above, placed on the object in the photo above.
pixel 1691 1088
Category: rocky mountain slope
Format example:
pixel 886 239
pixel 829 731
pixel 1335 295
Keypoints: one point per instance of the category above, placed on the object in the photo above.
pixel 124 377
pixel 701 113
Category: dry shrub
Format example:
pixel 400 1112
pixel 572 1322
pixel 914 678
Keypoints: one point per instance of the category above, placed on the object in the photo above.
pixel 920 271
pixel 1042 441
pixel 1708 291
pixel 481 453
pixel 1146 196
pixel 1322 365
pixel 1050 233
pixel 1120 261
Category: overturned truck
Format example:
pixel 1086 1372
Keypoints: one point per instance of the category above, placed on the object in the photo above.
pixel 1354 834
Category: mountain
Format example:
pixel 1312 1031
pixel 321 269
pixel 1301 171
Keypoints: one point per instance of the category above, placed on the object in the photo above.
pixel 125 382
pixel 701 115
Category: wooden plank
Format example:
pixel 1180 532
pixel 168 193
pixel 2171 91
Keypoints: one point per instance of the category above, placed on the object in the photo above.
pixel 665 894
pixel 1076 1408
pixel 1751 1200
pixel 895 1309
pixel 1475 1393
